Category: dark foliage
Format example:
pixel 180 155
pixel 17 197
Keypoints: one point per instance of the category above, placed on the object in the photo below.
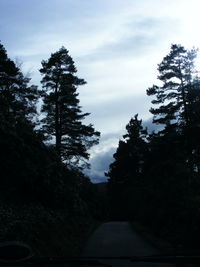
pixel 63 115
pixel 32 173
pixel 127 170
pixel 17 98
pixel 155 177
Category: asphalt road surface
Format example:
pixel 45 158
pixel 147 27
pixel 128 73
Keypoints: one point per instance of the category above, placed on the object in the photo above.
pixel 117 239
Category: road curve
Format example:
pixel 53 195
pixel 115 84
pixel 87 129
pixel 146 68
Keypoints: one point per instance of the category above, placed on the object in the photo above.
pixel 119 239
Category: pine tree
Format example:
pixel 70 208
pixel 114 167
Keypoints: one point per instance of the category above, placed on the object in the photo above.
pixel 175 97
pixel 129 157
pixel 192 132
pixel 176 73
pixel 63 119
pixel 126 172
pixel 17 98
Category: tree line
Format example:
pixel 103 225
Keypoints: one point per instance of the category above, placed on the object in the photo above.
pixel 155 176
pixel 43 150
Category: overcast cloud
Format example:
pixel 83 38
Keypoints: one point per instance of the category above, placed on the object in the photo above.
pixel 116 45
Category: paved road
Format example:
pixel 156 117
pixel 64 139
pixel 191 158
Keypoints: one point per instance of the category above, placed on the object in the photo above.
pixel 118 239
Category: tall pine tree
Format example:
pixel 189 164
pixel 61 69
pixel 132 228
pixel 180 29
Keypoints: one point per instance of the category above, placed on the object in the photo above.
pixel 63 115
pixel 175 97
pixel 176 73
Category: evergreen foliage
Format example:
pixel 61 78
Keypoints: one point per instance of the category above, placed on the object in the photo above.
pixel 178 98
pixel 17 98
pixel 176 73
pixel 32 171
pixel 154 177
pixel 126 172
pixel 129 157
pixel 167 197
pixel 63 115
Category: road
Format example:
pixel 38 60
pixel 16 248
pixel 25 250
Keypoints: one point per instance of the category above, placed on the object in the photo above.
pixel 119 239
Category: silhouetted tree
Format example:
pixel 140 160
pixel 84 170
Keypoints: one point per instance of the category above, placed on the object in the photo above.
pixel 63 114
pixel 126 172
pixel 129 157
pixel 177 74
pixel 192 131
pixel 17 98
pixel 173 159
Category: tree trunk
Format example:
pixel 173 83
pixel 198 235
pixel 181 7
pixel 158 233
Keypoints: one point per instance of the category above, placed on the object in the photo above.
pixel 57 125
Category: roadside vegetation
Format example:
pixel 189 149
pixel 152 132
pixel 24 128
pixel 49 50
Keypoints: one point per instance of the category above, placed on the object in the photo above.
pixel 45 199
pixel 48 202
pixel 155 176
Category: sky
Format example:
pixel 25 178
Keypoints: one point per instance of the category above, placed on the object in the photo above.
pixel 116 46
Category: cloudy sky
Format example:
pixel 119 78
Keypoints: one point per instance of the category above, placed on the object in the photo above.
pixel 116 45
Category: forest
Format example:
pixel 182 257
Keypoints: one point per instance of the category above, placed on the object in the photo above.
pixel 155 176
pixel 44 148
pixel 44 145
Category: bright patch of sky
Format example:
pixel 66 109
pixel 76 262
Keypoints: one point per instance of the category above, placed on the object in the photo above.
pixel 116 45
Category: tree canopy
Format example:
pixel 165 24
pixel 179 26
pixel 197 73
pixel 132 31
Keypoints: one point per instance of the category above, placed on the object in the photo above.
pixel 164 166
pixel 176 72
pixel 63 115
pixel 17 98
pixel 31 169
